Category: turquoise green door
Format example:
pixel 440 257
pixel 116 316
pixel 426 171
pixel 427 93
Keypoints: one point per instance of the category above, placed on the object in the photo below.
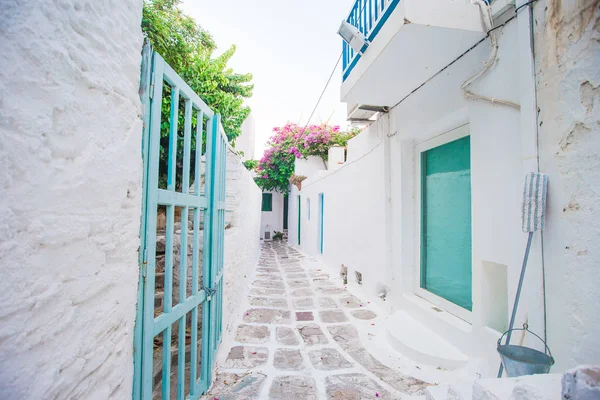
pixel 446 221
pixel 178 324
pixel 299 218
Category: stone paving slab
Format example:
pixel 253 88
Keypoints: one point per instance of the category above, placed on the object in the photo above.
pixel 354 387
pixel 269 276
pixel 304 303
pixel 295 284
pixel 266 270
pixel 292 388
pixel 332 316
pixel 305 316
pixel 328 359
pixel 302 293
pixel 252 334
pixel 228 386
pixel 246 357
pixel 312 334
pixel 284 339
pixel 270 284
pixel 288 360
pixel 351 302
pixel 268 316
pixel 276 302
pixel 330 290
pixel 327 302
pixel 287 336
pixel 364 314
pixel 296 275
pixel 266 292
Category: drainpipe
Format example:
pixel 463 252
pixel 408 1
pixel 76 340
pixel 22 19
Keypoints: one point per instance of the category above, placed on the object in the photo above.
pixel 387 176
pixel 528 101
pixel 529 129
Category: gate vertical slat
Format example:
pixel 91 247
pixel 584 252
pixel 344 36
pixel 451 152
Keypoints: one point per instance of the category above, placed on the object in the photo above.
pixel 208 254
pixel 185 188
pixel 221 231
pixel 153 156
pixel 145 88
pixel 195 253
pixel 168 290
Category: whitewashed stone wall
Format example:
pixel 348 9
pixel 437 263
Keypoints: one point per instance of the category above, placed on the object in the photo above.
pixel 567 48
pixel 70 196
pixel 242 238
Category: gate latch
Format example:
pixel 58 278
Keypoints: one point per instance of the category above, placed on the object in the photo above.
pixel 209 292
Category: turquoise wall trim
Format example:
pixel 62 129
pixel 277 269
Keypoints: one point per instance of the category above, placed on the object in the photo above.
pixel 321 222
pixel 299 217
pixel 368 16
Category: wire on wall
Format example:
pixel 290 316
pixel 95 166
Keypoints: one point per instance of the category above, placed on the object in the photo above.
pixel 486 10
pixel 331 75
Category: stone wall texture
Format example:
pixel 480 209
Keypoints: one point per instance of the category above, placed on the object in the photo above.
pixel 242 244
pixel 567 50
pixel 70 197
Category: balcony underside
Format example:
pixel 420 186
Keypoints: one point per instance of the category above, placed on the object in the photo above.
pixel 405 53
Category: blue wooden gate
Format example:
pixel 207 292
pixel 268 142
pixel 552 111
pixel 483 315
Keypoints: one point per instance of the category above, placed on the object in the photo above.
pixel 182 238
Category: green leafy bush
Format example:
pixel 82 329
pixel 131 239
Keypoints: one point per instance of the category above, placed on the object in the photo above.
pixel 188 49
pixel 250 164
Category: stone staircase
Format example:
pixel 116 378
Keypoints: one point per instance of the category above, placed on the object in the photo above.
pixel 159 298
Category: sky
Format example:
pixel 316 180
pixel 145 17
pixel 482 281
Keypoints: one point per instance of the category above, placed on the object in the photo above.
pixel 290 47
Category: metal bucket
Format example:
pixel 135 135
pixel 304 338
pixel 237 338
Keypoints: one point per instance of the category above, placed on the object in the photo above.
pixel 520 360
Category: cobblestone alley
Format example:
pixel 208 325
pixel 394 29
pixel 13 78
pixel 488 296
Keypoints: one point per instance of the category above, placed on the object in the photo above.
pixel 299 338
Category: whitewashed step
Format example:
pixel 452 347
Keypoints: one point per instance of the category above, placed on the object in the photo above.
pixel 439 392
pixel 530 387
pixel 412 339
pixel 460 391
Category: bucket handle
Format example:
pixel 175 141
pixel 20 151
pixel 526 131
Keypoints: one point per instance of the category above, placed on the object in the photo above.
pixel 526 328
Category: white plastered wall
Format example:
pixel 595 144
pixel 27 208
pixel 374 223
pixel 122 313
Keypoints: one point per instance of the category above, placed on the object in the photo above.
pixel 242 244
pixel 567 46
pixel 70 197
pixel 496 192
pixel 354 218
pixel 497 178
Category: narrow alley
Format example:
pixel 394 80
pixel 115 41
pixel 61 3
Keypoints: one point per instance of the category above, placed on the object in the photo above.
pixel 302 337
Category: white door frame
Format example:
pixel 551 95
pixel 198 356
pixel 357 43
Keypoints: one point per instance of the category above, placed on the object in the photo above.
pixel 421 147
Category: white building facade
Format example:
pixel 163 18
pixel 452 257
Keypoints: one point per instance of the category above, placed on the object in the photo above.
pixel 425 213
pixel 272 214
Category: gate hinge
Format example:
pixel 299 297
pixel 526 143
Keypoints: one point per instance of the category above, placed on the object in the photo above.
pixel 145 263
pixel 152 86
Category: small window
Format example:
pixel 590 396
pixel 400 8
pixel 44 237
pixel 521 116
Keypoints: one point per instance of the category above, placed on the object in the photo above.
pixel 267 201
pixel 308 209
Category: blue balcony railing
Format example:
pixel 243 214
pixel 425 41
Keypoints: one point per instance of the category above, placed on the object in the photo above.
pixel 368 16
